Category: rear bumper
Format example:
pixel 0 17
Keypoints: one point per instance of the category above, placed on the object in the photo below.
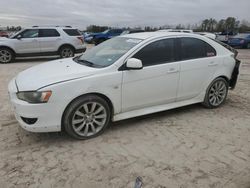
pixel 235 74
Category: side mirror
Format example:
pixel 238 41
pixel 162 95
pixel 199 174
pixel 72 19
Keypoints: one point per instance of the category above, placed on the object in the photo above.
pixel 19 37
pixel 134 64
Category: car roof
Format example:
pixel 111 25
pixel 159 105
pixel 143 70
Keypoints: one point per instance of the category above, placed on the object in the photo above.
pixel 156 34
pixel 50 27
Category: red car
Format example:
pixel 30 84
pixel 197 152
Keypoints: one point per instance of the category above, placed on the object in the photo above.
pixel 4 34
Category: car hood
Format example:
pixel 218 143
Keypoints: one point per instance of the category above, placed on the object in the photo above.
pixel 50 73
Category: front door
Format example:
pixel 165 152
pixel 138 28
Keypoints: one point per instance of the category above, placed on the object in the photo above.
pixel 157 82
pixel 28 43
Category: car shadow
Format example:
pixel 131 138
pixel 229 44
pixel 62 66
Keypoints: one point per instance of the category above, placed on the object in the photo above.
pixel 123 124
pixel 116 126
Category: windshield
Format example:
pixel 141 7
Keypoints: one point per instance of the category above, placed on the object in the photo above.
pixel 106 31
pixel 125 32
pixel 107 52
pixel 13 35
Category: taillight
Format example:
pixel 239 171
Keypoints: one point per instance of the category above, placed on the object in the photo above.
pixel 81 39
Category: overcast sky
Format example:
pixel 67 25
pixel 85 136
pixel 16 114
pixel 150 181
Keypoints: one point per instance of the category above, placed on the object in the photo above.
pixel 82 13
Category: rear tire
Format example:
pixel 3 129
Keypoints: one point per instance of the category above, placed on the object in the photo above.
pixel 66 51
pixel 86 117
pixel 216 93
pixel 6 55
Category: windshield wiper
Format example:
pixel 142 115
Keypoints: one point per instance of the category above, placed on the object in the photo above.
pixel 86 62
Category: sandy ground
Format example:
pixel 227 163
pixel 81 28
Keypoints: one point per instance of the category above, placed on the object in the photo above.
pixel 186 147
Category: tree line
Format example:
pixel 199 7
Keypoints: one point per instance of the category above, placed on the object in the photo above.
pixel 229 24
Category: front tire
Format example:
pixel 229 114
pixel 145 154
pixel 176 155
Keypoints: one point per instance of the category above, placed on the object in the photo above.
pixel 66 51
pixel 6 55
pixel 216 93
pixel 86 117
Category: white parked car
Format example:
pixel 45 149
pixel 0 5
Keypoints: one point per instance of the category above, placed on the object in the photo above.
pixel 40 41
pixel 127 76
pixel 176 30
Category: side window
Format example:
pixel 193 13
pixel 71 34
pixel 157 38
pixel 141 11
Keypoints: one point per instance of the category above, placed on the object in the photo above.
pixel 49 33
pixel 192 48
pixel 72 32
pixel 30 33
pixel 158 52
pixel 210 51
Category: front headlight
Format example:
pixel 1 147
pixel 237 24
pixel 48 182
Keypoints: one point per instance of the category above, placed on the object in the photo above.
pixel 34 96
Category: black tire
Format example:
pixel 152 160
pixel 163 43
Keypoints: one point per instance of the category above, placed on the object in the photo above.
pixel 66 51
pixel 213 94
pixel 72 111
pixel 6 55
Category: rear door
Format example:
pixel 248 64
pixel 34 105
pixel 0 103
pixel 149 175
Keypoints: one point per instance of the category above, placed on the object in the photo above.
pixel 157 82
pixel 198 64
pixel 28 43
pixel 49 39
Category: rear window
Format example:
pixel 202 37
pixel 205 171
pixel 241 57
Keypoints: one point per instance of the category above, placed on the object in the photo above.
pixel 192 48
pixel 48 33
pixel 72 32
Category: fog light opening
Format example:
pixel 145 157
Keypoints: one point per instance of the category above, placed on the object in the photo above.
pixel 29 121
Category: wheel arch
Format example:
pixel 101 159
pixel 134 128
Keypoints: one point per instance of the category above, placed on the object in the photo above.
pixel 225 77
pixel 3 46
pixel 107 99
pixel 66 45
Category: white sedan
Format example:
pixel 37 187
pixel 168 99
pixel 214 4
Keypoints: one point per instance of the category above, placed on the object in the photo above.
pixel 125 77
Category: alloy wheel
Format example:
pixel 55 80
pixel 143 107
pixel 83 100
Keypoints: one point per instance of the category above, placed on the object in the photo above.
pixel 89 119
pixel 67 52
pixel 5 56
pixel 217 93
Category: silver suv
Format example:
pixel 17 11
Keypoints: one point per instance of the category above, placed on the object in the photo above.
pixel 40 41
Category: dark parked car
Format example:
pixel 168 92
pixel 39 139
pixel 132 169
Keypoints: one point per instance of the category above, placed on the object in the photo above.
pixel 241 40
pixel 225 36
pixel 98 38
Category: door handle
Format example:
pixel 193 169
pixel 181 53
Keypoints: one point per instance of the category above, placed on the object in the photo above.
pixel 211 64
pixel 172 70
